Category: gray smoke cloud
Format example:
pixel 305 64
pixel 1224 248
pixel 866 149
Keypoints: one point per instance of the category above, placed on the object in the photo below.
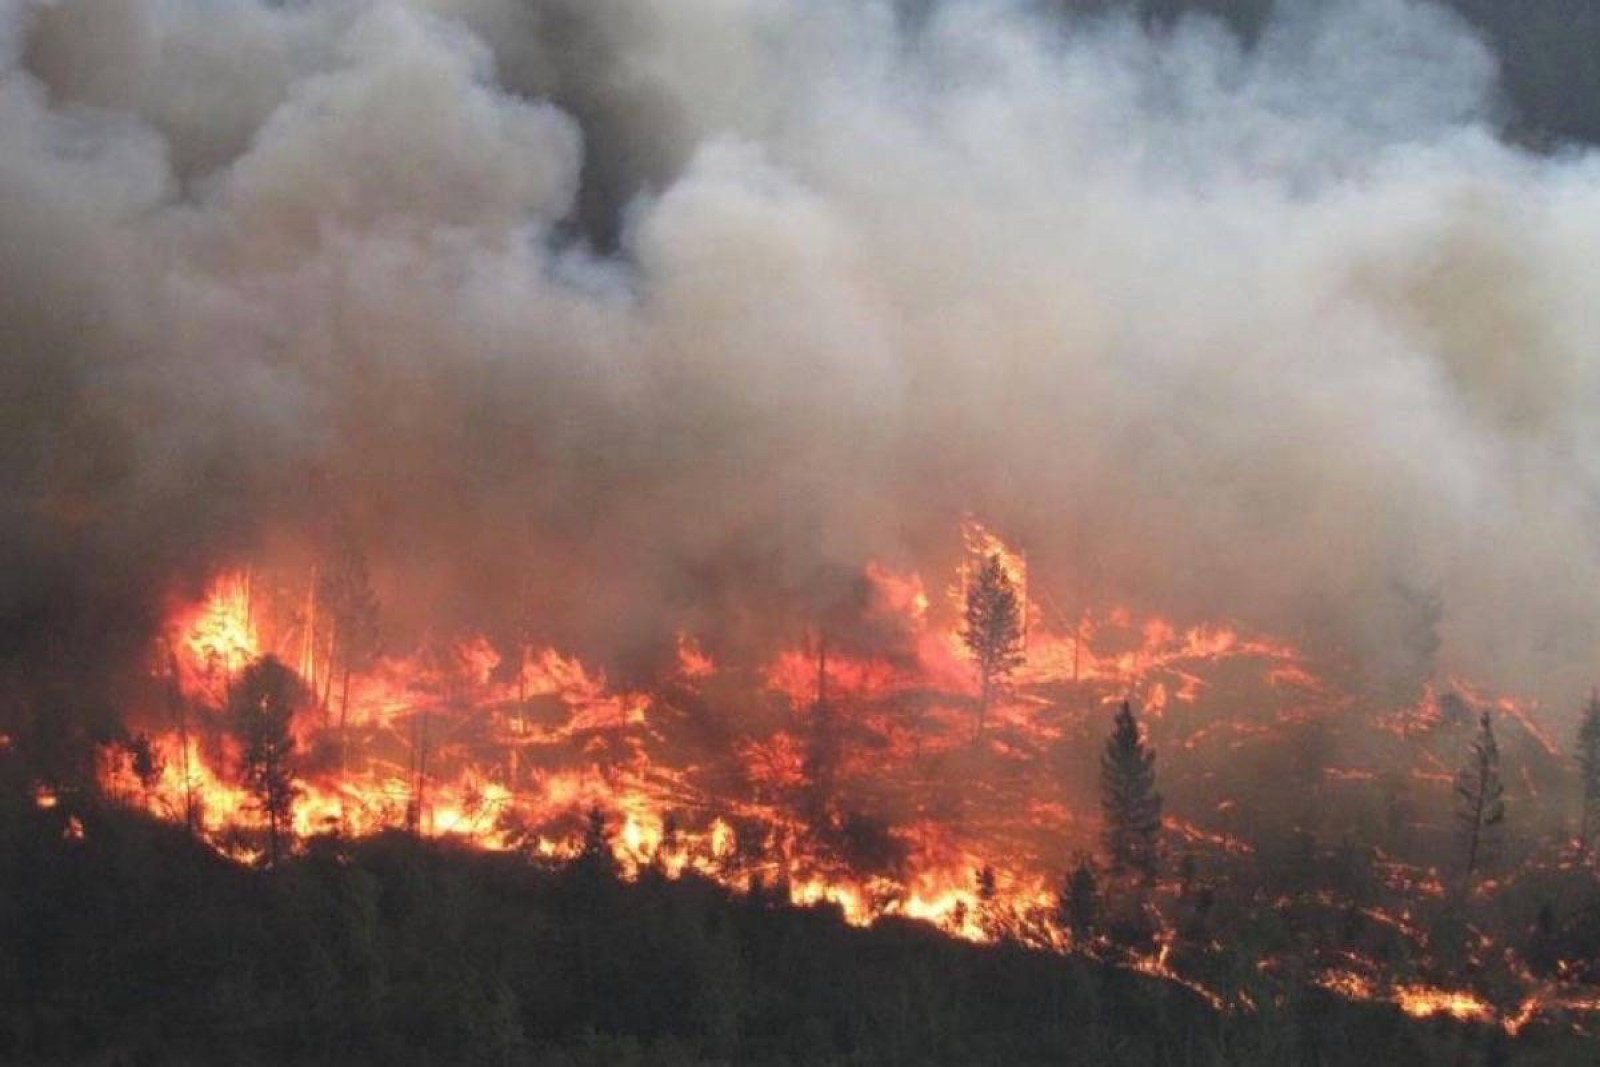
pixel 661 313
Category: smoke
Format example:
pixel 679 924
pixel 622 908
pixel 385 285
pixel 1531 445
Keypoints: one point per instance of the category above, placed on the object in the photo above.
pixel 667 313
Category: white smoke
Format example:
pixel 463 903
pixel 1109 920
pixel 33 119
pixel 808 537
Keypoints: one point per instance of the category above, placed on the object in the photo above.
pixel 1285 334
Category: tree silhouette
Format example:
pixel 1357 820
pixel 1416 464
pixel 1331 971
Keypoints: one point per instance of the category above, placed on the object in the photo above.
pixel 993 631
pixel 984 878
pixel 1543 948
pixel 261 706
pixel 352 607
pixel 988 905
pixel 1080 902
pixel 145 762
pixel 1130 807
pixel 1480 803
pixel 595 858
pixel 1588 760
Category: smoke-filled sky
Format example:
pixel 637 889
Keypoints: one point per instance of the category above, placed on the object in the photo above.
pixel 660 313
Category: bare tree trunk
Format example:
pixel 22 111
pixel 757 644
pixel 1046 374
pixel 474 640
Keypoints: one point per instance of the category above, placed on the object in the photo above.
pixel 308 649
pixel 1472 852
pixel 985 685
pixel 1476 831
pixel 273 816
pixel 344 718
pixel 420 790
pixel 327 681
pixel 180 711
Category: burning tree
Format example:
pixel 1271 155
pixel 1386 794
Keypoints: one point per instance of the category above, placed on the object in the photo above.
pixel 262 703
pixel 993 630
pixel 1130 807
pixel 352 608
pixel 1588 758
pixel 1480 795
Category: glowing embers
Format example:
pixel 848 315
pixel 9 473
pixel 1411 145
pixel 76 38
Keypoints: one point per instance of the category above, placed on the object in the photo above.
pixel 1422 1001
pixel 1415 999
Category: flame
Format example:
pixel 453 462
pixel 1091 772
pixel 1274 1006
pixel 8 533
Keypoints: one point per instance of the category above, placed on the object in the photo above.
pixel 512 748
pixel 1421 1001
pixel 693 663
pixel 220 635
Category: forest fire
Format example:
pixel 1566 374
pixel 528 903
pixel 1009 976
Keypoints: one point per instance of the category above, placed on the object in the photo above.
pixel 881 531
pixel 835 787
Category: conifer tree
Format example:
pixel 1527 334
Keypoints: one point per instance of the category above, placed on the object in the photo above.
pixel 1130 807
pixel 1588 759
pixel 993 630
pixel 595 858
pixel 984 878
pixel 1480 795
pixel 988 887
pixel 1080 902
pixel 261 706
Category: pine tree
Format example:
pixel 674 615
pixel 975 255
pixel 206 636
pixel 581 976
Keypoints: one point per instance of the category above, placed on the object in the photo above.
pixel 984 878
pixel 988 887
pixel 1080 902
pixel 1480 795
pixel 595 858
pixel 1588 759
pixel 993 631
pixel 1130 807
pixel 261 706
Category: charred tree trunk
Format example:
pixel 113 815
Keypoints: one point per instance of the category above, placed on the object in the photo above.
pixel 273 817
pixel 1474 835
pixel 325 701
pixel 344 718
pixel 180 712
pixel 419 791
pixel 985 687
pixel 1480 796
pixel 822 756
pixel 1475 825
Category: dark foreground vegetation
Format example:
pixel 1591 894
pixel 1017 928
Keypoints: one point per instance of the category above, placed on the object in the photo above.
pixel 133 944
